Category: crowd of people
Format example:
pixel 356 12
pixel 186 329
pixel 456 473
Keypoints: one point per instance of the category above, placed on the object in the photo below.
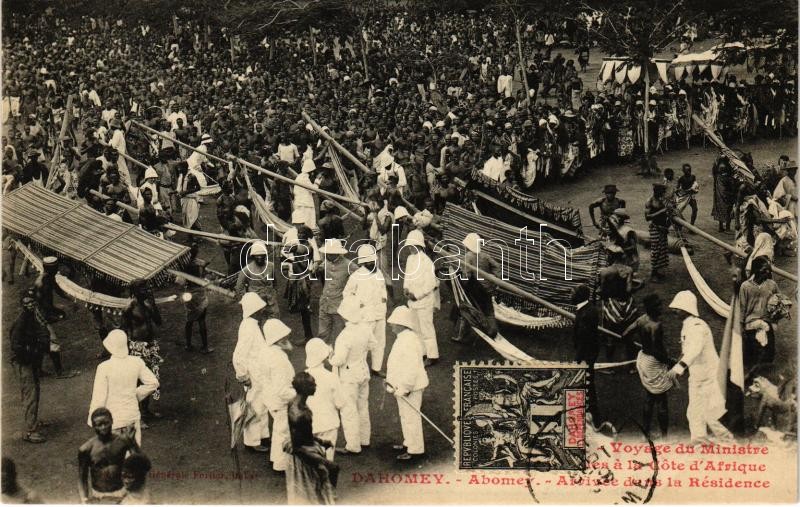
pixel 155 118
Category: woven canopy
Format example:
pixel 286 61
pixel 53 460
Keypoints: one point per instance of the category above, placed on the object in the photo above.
pixel 72 230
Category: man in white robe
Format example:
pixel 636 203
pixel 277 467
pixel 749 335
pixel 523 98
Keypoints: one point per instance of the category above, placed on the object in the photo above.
pixel 328 399
pixel 303 203
pixel 248 345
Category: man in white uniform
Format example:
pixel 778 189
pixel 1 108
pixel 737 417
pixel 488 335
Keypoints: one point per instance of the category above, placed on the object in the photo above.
pixel 420 285
pixel 328 400
pixel 275 375
pixel 706 403
pixel 406 379
pixel 248 345
pixel 367 288
pixel 350 358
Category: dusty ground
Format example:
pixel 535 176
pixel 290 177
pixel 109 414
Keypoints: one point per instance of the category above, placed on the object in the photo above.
pixel 189 446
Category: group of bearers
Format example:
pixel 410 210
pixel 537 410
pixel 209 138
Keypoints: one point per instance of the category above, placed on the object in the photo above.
pixel 306 407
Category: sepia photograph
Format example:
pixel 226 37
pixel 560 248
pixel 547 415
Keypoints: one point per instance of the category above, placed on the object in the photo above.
pixel 399 252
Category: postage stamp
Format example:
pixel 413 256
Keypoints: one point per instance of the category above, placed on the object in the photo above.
pixel 520 417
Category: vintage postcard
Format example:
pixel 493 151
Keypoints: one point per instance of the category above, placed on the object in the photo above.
pixel 399 252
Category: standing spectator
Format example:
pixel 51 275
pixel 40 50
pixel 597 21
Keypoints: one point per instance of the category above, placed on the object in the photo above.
pixel 586 339
pixel 657 213
pixel 759 332
pixel 30 341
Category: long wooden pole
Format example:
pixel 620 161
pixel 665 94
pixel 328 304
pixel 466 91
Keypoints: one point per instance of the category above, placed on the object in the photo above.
pixel 352 158
pixel 202 282
pixel 530 297
pixel 522 63
pixel 179 143
pixel 283 178
pixel 177 228
pixel 61 135
pixel 703 234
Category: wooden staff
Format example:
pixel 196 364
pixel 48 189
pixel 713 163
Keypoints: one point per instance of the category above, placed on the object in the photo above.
pixel 352 158
pixel 202 282
pixel 177 228
pixel 179 143
pixel 703 234
pixel 127 157
pixel 283 178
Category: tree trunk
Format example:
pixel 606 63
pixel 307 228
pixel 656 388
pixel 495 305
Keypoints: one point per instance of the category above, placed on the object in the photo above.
pixel 646 107
pixel 522 63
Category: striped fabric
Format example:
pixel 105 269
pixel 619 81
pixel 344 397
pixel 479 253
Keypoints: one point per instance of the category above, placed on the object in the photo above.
pixel 569 218
pixel 263 210
pixel 72 231
pixel 547 263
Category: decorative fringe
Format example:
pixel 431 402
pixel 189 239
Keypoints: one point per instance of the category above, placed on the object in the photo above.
pixel 569 218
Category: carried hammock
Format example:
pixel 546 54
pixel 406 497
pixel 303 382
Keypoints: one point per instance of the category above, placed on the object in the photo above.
pixel 716 303
pixel 741 171
pixel 508 350
pixel 568 218
pixel 263 210
pixel 89 241
pixel 91 299
pixel 546 257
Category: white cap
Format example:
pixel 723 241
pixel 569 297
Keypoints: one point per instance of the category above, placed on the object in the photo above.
pixel 274 330
pixel 333 246
pixel 150 173
pixel 308 166
pixel 415 238
pixel 241 209
pixel 350 310
pixel 251 303
pixel 116 343
pixel 317 351
pixel 366 253
pixel 206 139
pixel 685 300
pixel 402 316
pixel 400 212
pixel 258 248
pixel 472 242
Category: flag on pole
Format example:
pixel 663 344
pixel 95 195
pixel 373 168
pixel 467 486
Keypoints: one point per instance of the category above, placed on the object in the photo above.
pixel 730 374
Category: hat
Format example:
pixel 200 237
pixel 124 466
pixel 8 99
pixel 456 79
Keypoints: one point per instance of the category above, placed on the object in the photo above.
pixel 242 209
pixel 308 166
pixel 206 139
pixel 402 316
pixel 350 310
pixel 251 303
pixel 50 261
pixel 610 188
pixel 400 212
pixel 116 343
pixel 274 330
pixel 366 253
pixel 552 119
pixel 617 103
pixel 415 238
pixel 653 103
pixel 258 247
pixel 327 165
pixel 150 173
pixel 685 300
pixel 334 247
pixel 682 92
pixel 440 124
pixel 569 114
pixel 542 122
pixel 473 242
pixel 622 213
pixel 33 152
pixel 317 351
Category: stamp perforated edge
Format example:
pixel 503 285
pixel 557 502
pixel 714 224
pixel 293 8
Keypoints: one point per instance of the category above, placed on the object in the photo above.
pixel 492 363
